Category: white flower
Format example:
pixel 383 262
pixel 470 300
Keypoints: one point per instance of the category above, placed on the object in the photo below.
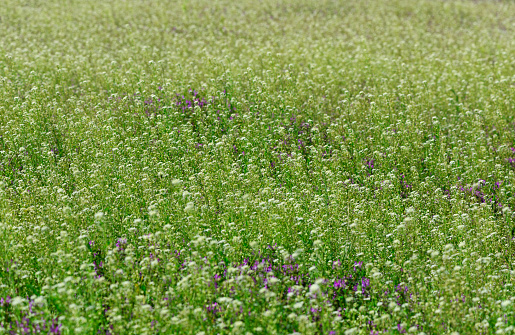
pixel 189 207
pixel 267 314
pixel 39 301
pixel 314 288
pixel 17 301
pixel 273 280
pixel 99 215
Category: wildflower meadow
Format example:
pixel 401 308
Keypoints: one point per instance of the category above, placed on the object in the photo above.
pixel 257 167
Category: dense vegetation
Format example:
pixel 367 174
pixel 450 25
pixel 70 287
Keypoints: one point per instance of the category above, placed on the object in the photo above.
pixel 271 167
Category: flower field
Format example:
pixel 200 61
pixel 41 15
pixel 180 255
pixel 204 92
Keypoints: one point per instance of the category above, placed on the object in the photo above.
pixel 257 167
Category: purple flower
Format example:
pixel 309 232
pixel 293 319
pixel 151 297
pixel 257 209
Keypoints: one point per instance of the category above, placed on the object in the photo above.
pixel 365 282
pixel 120 243
pixel 5 301
pixel 358 264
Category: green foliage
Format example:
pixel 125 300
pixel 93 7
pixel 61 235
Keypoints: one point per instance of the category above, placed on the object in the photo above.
pixel 216 167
